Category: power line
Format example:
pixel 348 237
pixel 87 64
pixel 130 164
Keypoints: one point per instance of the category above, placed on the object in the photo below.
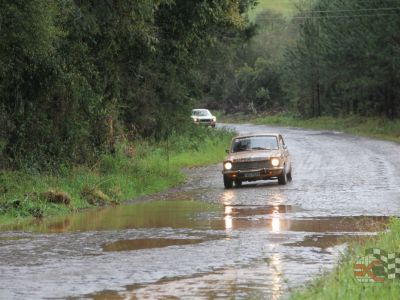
pixel 329 17
pixel 351 10
pixel 346 16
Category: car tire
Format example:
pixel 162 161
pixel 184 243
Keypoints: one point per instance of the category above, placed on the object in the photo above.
pixel 228 183
pixel 283 179
pixel 289 175
pixel 238 183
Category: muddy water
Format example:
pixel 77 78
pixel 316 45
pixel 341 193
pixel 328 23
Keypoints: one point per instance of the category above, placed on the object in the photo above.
pixel 154 214
pixel 137 244
pixel 202 241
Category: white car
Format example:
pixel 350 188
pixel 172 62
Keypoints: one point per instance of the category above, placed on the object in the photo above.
pixel 204 117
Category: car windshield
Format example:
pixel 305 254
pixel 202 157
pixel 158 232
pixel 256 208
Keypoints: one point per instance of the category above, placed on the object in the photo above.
pixel 200 113
pixel 255 143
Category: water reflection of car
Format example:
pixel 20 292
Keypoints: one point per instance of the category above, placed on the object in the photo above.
pixel 204 117
pixel 257 157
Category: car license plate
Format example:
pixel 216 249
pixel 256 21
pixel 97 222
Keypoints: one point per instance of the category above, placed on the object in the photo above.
pixel 253 174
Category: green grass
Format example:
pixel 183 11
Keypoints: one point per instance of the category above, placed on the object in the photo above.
pixel 285 7
pixel 342 283
pixel 380 128
pixel 137 168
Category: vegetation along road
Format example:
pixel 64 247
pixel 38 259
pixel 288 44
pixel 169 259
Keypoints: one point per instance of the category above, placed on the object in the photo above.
pixel 200 240
pixel 95 102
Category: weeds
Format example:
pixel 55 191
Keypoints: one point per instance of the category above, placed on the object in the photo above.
pixel 57 197
pixel 342 283
pixel 137 167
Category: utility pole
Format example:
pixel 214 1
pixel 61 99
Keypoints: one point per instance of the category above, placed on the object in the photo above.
pixel 316 66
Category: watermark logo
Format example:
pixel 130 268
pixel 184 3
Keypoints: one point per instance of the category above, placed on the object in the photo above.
pixel 377 266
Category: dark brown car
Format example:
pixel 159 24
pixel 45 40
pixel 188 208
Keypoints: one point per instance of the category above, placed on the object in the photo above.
pixel 257 157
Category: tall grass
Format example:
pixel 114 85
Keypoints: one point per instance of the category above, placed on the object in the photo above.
pixel 137 168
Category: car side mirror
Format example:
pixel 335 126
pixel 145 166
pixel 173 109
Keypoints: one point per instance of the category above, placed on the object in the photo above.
pixel 227 151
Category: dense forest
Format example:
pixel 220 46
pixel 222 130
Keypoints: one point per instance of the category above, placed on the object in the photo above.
pixel 346 60
pixel 331 58
pixel 75 75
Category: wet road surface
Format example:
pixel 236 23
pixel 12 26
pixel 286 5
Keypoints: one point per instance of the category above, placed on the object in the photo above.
pixel 202 241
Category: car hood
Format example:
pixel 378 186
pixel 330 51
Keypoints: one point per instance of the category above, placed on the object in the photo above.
pixel 253 155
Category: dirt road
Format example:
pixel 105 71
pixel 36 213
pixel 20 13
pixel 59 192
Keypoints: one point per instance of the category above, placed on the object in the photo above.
pixel 202 241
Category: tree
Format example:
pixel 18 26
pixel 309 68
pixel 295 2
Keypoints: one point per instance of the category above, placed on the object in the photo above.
pixel 73 73
pixel 344 61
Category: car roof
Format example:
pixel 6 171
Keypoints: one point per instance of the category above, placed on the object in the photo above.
pixel 256 134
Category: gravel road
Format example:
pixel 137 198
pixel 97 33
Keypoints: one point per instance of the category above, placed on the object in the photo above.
pixel 200 241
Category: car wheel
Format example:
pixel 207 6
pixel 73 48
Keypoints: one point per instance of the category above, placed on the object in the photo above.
pixel 228 183
pixel 283 179
pixel 289 175
pixel 238 183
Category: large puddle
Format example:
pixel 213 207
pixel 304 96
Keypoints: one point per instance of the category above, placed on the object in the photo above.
pixel 160 249
pixel 153 214
pixel 199 215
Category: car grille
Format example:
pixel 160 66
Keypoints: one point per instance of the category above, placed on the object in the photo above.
pixel 250 165
pixel 205 120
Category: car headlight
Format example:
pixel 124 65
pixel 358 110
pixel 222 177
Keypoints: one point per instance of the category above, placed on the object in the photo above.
pixel 214 119
pixel 275 162
pixel 228 165
pixel 195 120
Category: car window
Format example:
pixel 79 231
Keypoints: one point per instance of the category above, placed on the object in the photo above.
pixel 255 143
pixel 200 113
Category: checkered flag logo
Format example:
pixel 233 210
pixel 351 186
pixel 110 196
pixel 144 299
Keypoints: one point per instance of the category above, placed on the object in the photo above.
pixel 389 261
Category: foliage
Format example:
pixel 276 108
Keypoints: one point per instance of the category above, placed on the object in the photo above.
pixel 137 167
pixel 250 79
pixel 332 58
pixel 346 60
pixel 260 85
pixel 75 75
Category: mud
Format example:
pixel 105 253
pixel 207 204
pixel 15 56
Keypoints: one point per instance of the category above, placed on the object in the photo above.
pixel 200 241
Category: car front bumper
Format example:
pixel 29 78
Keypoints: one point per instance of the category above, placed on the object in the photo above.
pixel 253 175
pixel 205 123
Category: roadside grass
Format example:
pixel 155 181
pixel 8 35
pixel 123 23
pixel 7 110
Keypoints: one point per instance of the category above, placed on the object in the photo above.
pixel 286 7
pixel 373 127
pixel 342 283
pixel 137 168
